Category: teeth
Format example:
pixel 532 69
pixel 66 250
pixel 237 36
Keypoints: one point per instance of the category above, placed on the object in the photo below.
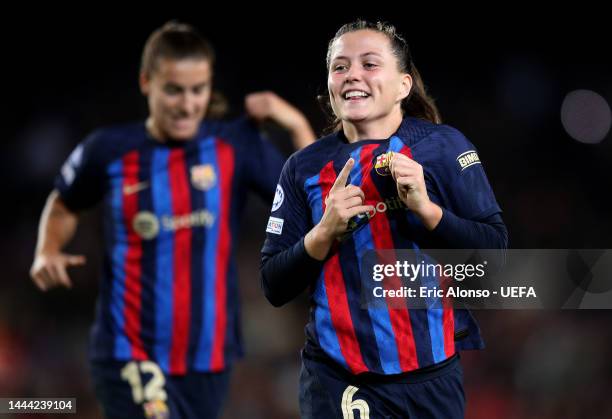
pixel 355 93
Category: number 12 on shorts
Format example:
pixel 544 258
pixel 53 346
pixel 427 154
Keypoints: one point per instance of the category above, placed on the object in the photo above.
pixel 153 389
pixel 349 405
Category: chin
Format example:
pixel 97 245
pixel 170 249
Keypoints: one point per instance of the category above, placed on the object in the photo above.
pixel 185 137
pixel 183 134
pixel 355 117
pixel 180 136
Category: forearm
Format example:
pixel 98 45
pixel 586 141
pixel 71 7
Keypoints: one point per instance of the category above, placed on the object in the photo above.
pixel 286 274
pixel 301 133
pixel 318 243
pixel 57 225
pixel 457 232
pixel 268 105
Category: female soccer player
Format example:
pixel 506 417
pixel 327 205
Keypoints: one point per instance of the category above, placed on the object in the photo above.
pixel 389 158
pixel 167 328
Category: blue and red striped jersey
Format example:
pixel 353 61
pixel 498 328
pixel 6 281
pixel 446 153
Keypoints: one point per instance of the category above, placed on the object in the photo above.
pixel 382 340
pixel 171 214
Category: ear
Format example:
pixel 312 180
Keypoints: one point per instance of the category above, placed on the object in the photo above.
pixel 144 82
pixel 406 86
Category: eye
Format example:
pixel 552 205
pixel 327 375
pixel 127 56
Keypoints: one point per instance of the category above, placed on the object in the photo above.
pixel 370 66
pixel 200 89
pixel 339 68
pixel 172 90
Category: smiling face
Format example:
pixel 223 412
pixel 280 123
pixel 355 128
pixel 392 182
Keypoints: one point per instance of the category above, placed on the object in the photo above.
pixel 364 82
pixel 178 93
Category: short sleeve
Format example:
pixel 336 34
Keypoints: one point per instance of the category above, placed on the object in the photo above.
pixel 81 179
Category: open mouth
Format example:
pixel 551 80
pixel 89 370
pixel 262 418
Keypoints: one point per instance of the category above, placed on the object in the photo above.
pixel 355 95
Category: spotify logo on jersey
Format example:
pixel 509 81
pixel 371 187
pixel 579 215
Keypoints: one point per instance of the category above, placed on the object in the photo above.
pixel 146 225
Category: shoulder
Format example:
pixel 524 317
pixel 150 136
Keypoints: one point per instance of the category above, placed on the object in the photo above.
pixel 99 148
pixel 320 148
pixel 450 137
pixel 420 133
pixel 114 139
pixel 444 144
pixel 310 160
pixel 234 130
pixel 131 132
pixel 105 144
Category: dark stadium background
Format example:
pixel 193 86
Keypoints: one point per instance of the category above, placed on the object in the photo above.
pixel 501 79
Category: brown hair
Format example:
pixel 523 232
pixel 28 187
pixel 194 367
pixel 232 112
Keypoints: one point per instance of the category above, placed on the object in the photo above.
pixel 417 104
pixel 181 41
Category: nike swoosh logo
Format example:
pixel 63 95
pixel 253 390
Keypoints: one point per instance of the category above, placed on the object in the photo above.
pixel 136 187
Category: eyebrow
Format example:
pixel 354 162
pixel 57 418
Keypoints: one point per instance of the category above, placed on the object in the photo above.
pixel 179 86
pixel 365 54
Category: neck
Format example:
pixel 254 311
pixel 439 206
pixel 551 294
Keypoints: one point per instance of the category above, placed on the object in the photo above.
pixel 379 129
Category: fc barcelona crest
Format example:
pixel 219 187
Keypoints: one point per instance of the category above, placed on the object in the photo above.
pixel 203 177
pixel 382 164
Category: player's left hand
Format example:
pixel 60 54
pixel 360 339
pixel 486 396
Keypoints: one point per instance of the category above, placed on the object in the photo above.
pixel 408 176
pixel 411 188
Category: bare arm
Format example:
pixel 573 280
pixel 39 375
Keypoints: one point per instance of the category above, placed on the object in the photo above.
pixel 57 227
pixel 268 105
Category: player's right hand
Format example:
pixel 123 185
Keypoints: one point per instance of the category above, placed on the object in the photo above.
pixel 341 204
pixel 49 270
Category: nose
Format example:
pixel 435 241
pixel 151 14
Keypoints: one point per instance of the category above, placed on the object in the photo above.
pixel 352 74
pixel 188 103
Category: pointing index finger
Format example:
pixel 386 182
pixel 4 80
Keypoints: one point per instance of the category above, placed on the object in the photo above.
pixel 343 175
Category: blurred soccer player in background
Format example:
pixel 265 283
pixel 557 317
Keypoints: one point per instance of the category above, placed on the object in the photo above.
pixel 389 176
pixel 173 187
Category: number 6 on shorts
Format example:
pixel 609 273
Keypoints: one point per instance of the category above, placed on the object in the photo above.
pixel 348 405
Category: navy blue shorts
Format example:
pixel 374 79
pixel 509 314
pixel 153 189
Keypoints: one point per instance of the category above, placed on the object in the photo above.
pixel 140 389
pixel 329 391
